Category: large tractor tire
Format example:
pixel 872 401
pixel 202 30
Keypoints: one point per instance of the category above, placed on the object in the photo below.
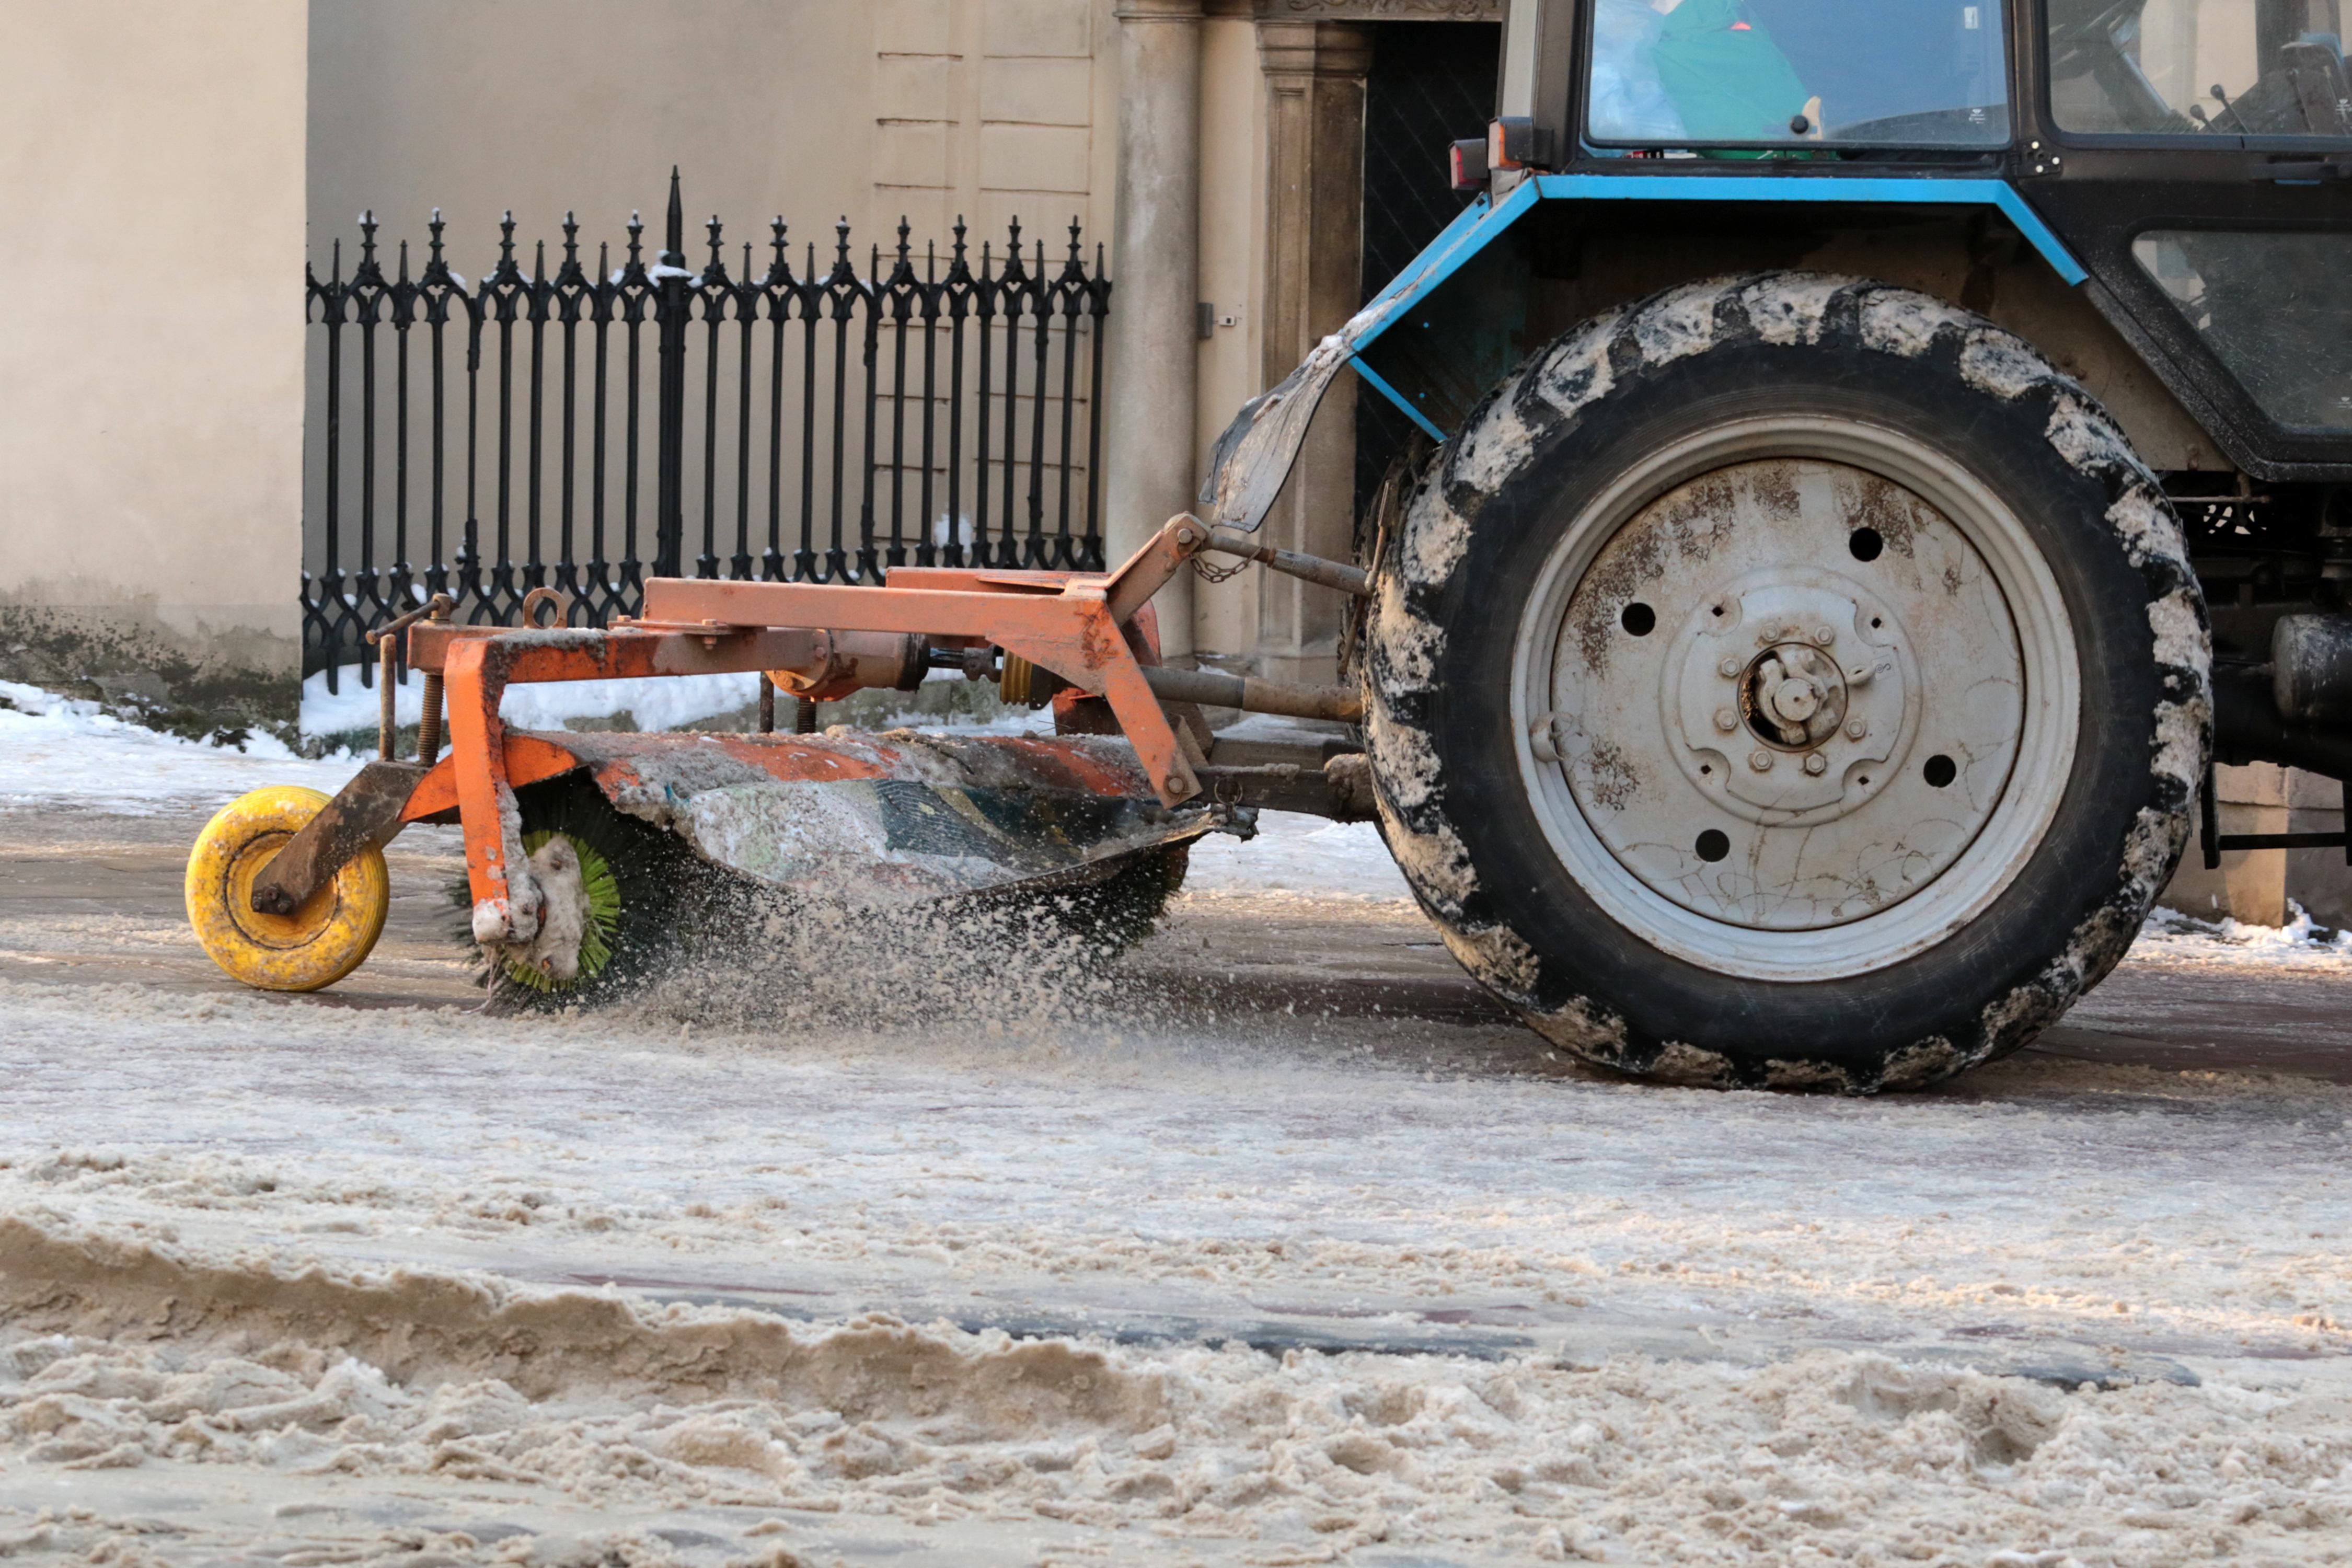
pixel 1787 681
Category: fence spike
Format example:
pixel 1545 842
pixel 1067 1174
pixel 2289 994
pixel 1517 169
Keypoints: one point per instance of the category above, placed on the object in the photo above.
pixel 676 254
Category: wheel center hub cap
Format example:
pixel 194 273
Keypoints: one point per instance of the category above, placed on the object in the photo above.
pixel 1800 668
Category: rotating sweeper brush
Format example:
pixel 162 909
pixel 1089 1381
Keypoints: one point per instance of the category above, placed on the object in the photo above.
pixel 572 840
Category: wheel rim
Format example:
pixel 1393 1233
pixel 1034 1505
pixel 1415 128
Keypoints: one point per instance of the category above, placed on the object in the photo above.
pixel 1766 755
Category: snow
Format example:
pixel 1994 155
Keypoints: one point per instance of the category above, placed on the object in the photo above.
pixel 994 1292
pixel 1301 857
pixel 59 750
pixel 659 702
pixel 2171 937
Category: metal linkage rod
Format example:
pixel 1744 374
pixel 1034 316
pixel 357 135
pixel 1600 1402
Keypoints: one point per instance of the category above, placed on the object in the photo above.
pixel 1210 689
pixel 1291 563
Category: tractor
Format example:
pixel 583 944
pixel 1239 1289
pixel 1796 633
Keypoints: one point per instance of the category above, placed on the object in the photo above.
pixel 1876 456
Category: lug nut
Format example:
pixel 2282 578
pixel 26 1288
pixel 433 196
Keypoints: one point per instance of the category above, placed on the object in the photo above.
pixel 1760 759
pixel 1816 764
pixel 1726 719
pixel 1727 668
pixel 1855 729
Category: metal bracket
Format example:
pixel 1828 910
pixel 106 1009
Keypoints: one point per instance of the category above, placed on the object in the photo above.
pixel 363 815
pixel 2214 842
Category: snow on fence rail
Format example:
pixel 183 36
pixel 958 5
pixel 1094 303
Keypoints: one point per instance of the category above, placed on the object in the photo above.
pixel 810 425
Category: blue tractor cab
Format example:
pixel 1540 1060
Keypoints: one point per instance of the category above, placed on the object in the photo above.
pixel 1876 454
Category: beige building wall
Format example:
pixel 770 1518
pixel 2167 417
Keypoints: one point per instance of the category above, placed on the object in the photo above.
pixel 544 106
pixel 151 341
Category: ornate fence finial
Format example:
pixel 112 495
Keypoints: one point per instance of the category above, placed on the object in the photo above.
pixel 674 254
pixel 716 262
pixel 636 238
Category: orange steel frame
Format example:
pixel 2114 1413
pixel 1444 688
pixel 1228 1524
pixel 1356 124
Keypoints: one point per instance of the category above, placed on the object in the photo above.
pixel 1080 626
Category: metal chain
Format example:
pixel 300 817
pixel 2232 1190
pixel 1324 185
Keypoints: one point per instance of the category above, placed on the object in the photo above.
pixel 1214 575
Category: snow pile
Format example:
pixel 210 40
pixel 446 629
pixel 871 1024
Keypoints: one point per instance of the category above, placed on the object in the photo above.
pixel 665 703
pixel 59 751
pixel 442 1380
pixel 2169 936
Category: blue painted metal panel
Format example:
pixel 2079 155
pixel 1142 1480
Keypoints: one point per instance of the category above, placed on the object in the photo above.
pixel 1483 220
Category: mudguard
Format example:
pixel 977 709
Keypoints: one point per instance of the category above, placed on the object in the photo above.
pixel 1255 453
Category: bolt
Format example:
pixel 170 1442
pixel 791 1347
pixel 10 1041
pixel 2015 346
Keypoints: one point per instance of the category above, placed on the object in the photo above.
pixel 1825 634
pixel 1816 764
pixel 1855 729
pixel 1727 668
pixel 1726 719
pixel 1174 783
pixel 1760 759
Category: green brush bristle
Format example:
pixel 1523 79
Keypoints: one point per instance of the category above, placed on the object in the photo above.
pixel 603 890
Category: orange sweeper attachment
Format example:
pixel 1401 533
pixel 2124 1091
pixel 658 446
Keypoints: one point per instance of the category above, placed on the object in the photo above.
pixel 288 891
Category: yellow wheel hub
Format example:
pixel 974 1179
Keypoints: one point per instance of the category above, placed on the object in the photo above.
pixel 316 945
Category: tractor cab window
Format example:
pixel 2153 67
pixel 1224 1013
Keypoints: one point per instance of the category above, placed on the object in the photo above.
pixel 2274 308
pixel 2190 68
pixel 1768 75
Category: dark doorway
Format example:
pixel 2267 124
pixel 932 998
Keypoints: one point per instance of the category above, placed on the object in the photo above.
pixel 1430 84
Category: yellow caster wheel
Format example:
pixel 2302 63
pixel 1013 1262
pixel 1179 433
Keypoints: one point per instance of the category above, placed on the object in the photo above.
pixel 316 945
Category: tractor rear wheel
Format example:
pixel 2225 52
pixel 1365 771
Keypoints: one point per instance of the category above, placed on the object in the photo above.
pixel 1787 681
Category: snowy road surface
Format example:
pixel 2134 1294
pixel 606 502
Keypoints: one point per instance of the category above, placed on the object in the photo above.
pixel 1273 1242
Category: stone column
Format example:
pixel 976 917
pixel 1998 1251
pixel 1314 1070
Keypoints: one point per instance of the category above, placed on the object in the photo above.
pixel 1154 342
pixel 1315 75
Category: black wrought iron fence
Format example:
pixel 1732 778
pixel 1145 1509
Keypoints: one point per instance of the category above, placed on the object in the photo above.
pixel 528 429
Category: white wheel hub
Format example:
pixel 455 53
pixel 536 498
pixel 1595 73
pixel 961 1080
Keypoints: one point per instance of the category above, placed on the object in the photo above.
pixel 1786 695
pixel 1798 698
